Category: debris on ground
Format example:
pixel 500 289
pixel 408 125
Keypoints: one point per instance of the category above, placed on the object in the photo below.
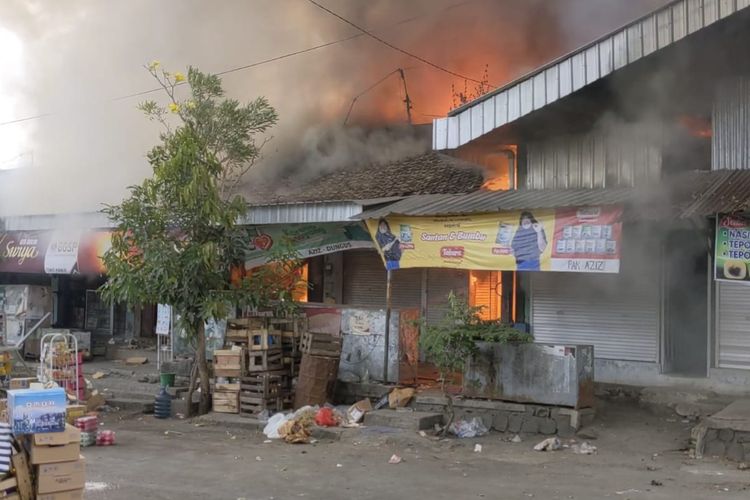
pixel 549 444
pixel 468 428
pixel 339 466
pixel 398 398
pixel 395 459
pixel 477 448
pixel 516 439
pixel 357 411
pixel 98 375
pixel 423 434
pixel 325 417
pixel 176 433
pixel 743 466
pixel 136 360
pixel 584 448
pixel 654 482
pixel 295 431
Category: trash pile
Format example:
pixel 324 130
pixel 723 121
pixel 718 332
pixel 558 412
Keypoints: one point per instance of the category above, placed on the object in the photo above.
pixel 554 444
pixel 41 435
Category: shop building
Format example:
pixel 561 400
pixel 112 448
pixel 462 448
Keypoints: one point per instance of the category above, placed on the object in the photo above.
pixel 652 117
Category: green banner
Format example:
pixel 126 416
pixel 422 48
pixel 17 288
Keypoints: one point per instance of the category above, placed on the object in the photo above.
pixel 308 240
pixel 732 249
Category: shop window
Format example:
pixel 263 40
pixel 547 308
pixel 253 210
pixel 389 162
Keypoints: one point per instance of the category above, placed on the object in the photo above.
pixel 485 291
pixel 301 289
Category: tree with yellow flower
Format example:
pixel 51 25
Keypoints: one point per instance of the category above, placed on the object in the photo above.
pixel 178 236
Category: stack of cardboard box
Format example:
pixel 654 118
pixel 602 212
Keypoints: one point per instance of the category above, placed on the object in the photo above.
pixel 59 468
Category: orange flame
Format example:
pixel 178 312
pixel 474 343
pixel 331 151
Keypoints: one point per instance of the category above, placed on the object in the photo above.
pixel 696 126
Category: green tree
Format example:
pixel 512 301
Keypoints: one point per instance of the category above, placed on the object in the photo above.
pixel 178 236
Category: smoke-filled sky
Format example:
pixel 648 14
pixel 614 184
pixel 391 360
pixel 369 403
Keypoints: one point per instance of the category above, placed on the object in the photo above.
pixel 72 61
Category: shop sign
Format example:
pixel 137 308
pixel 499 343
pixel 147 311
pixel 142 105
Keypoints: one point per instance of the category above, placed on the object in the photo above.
pixel 308 240
pixel 22 251
pixel 61 256
pixel 586 240
pixel 732 248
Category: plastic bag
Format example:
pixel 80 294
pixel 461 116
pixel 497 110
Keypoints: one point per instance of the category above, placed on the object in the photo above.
pixel 326 418
pixel 468 428
pixel 271 430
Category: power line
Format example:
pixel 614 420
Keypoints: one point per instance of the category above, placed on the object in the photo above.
pixel 388 44
pixel 354 100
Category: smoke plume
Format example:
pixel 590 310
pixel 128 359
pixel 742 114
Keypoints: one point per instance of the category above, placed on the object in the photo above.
pixel 74 62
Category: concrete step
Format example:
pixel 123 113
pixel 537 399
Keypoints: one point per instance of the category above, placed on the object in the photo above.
pixel 132 404
pixel 407 420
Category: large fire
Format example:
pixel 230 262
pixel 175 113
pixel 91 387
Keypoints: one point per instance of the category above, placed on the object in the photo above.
pixel 696 126
pixel 499 165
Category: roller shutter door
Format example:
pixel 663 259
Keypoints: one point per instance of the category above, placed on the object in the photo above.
pixel 733 325
pixel 365 282
pixel 440 282
pixel 618 314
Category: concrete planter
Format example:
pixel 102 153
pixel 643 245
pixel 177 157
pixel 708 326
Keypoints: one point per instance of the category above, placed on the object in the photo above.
pixel 560 375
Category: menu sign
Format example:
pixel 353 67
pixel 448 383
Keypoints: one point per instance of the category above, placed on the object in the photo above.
pixel 732 248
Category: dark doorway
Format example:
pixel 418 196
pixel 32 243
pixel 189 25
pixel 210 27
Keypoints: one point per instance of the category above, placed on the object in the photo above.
pixel 686 303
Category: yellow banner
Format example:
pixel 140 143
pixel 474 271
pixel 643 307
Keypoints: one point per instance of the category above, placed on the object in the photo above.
pixel 569 239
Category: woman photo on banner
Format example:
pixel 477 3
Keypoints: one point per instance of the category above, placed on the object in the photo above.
pixel 529 242
pixel 389 245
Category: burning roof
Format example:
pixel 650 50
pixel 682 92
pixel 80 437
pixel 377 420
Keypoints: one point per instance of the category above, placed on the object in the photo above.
pixel 428 173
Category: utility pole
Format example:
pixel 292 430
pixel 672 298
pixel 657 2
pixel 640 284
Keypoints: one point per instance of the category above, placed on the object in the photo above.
pixel 407 100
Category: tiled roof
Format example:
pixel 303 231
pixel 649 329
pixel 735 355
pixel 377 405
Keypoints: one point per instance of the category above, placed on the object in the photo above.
pixel 428 173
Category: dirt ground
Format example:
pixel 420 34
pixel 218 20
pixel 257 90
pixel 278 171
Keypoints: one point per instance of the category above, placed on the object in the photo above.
pixel 640 455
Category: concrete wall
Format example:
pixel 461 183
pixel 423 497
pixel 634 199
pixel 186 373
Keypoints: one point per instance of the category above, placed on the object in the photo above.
pixel 720 380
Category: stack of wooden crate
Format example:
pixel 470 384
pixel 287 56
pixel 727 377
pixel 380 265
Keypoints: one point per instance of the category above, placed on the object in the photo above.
pixel 319 368
pixel 229 366
pixel 271 350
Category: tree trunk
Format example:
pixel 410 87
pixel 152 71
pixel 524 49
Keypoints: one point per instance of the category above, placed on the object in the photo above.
pixel 191 388
pixel 200 357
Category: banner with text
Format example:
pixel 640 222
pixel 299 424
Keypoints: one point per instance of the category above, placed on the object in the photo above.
pixel 309 240
pixel 732 248
pixel 565 239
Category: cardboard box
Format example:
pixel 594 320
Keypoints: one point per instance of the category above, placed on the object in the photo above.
pixel 62 495
pixel 53 447
pixel 72 412
pixel 21 383
pixel 36 410
pixel 62 476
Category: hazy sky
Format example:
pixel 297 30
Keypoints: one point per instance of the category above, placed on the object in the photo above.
pixel 71 62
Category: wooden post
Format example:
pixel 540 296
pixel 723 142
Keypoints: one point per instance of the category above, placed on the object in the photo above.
pixel 387 336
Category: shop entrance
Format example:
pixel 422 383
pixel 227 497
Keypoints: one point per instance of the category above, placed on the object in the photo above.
pixel 686 303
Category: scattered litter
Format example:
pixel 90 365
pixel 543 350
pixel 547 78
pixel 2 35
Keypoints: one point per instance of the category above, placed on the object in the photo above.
pixel 357 411
pixel 313 441
pixel 398 398
pixel 199 424
pixel 395 459
pixel 176 433
pixel 267 441
pixel 477 448
pixel 625 492
pixel 549 444
pixel 339 466
pixel 652 468
pixel 271 430
pixel 468 428
pixel 136 360
pixel 295 431
pixel 98 375
pixel 258 459
pixel 326 418
pixel 654 482
pixel 96 486
pixel 423 434
pixel 743 466
pixel 264 416
pixel 584 448
pixel 516 439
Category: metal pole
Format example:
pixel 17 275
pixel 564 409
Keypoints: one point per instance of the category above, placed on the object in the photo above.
pixel 387 336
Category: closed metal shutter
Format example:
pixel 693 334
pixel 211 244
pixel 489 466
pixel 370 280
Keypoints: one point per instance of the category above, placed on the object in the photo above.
pixel 440 282
pixel 365 282
pixel 617 313
pixel 733 325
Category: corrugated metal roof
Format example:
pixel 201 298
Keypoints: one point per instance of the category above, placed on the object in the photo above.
pixel 302 212
pixel 695 193
pixel 580 68
pixel 41 222
pixel 496 201
pixel 721 191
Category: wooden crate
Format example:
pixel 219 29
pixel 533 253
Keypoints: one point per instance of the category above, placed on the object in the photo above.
pixel 226 401
pixel 263 339
pixel 320 344
pixel 317 380
pixel 230 363
pixel 264 361
pixel 258 393
pixel 239 331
